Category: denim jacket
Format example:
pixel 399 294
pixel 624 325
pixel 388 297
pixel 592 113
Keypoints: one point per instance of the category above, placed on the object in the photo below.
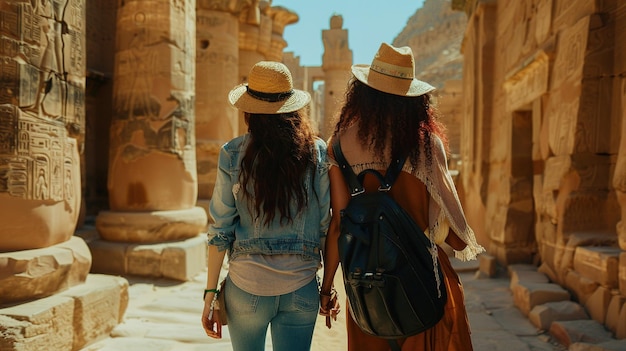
pixel 235 228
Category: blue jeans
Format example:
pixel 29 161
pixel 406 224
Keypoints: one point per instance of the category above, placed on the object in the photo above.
pixel 292 318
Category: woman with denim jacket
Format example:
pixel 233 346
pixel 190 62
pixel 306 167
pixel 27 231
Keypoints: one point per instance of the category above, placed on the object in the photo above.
pixel 270 207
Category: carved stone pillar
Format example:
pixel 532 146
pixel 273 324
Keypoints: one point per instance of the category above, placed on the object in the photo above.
pixel 217 57
pixel 44 268
pixel 152 179
pixel 41 121
pixel 336 63
pixel 619 177
pixel 249 48
pixel 281 17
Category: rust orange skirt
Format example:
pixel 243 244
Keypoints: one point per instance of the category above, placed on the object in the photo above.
pixel 452 333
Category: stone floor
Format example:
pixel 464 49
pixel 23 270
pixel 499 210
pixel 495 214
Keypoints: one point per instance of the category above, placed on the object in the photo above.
pixel 164 315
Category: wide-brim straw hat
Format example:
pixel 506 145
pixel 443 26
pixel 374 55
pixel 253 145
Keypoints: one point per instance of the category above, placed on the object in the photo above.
pixel 392 71
pixel 269 90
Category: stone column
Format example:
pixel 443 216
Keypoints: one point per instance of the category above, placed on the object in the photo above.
pixel 44 268
pixel 336 63
pixel 619 176
pixel 41 122
pixel 281 17
pixel 41 133
pixel 217 57
pixel 152 163
pixel 249 48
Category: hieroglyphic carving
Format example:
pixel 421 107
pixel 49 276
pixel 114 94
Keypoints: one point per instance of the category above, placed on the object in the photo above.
pixel 36 161
pixel 153 107
pixel 592 131
pixel 40 109
pixel 570 53
pixel 562 112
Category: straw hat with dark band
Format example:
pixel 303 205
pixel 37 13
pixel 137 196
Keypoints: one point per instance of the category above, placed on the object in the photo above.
pixel 392 71
pixel 269 90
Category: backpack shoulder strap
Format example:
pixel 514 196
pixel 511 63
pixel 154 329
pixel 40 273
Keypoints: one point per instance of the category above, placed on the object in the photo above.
pixel 394 169
pixel 356 182
pixel 356 187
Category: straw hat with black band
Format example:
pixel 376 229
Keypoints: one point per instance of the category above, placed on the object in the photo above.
pixel 392 71
pixel 269 91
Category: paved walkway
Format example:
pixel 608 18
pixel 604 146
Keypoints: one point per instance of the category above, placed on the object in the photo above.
pixel 165 316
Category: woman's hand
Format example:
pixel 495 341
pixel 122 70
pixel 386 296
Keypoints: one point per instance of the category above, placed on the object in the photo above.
pixel 211 319
pixel 329 306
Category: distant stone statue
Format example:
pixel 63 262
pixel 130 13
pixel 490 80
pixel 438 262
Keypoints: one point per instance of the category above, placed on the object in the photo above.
pixel 336 51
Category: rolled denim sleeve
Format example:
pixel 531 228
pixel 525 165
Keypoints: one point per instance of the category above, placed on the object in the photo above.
pixel 324 189
pixel 222 207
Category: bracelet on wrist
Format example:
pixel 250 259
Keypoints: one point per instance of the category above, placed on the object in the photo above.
pixel 206 291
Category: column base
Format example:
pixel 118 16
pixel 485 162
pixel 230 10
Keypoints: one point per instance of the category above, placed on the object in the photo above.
pixel 179 260
pixel 151 227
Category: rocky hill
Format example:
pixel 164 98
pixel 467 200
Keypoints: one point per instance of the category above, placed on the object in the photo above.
pixel 435 33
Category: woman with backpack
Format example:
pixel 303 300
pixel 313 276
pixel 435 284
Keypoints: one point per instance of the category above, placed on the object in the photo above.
pixel 270 207
pixel 388 114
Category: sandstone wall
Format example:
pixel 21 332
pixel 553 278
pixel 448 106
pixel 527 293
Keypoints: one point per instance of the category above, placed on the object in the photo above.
pixel 540 144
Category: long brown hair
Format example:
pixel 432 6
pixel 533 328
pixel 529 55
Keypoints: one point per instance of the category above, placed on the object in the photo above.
pixel 409 120
pixel 280 151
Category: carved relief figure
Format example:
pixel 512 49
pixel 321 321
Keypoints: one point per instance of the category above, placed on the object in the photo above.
pixel 51 58
pixel 41 186
pixel 67 184
pixel 140 102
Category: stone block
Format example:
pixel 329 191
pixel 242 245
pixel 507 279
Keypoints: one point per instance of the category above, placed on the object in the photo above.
pixel 598 263
pixel 612 315
pixel 151 227
pixel 527 277
pixel 552 257
pixel 44 324
pixel 66 321
pixel 179 260
pixel 184 260
pixel 145 260
pixel 528 295
pixel 569 332
pixel 487 265
pixel 620 330
pixel 520 267
pixel 598 303
pixel 548 270
pixel 580 286
pixel 99 305
pixel 108 257
pixel 39 273
pixel 591 238
pixel 542 316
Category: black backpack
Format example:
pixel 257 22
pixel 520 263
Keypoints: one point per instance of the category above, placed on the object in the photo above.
pixel 389 273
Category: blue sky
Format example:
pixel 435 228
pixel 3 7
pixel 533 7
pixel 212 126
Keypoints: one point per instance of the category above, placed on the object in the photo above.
pixel 369 23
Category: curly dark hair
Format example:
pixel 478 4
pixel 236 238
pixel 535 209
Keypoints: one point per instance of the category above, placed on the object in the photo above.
pixel 280 151
pixel 410 120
